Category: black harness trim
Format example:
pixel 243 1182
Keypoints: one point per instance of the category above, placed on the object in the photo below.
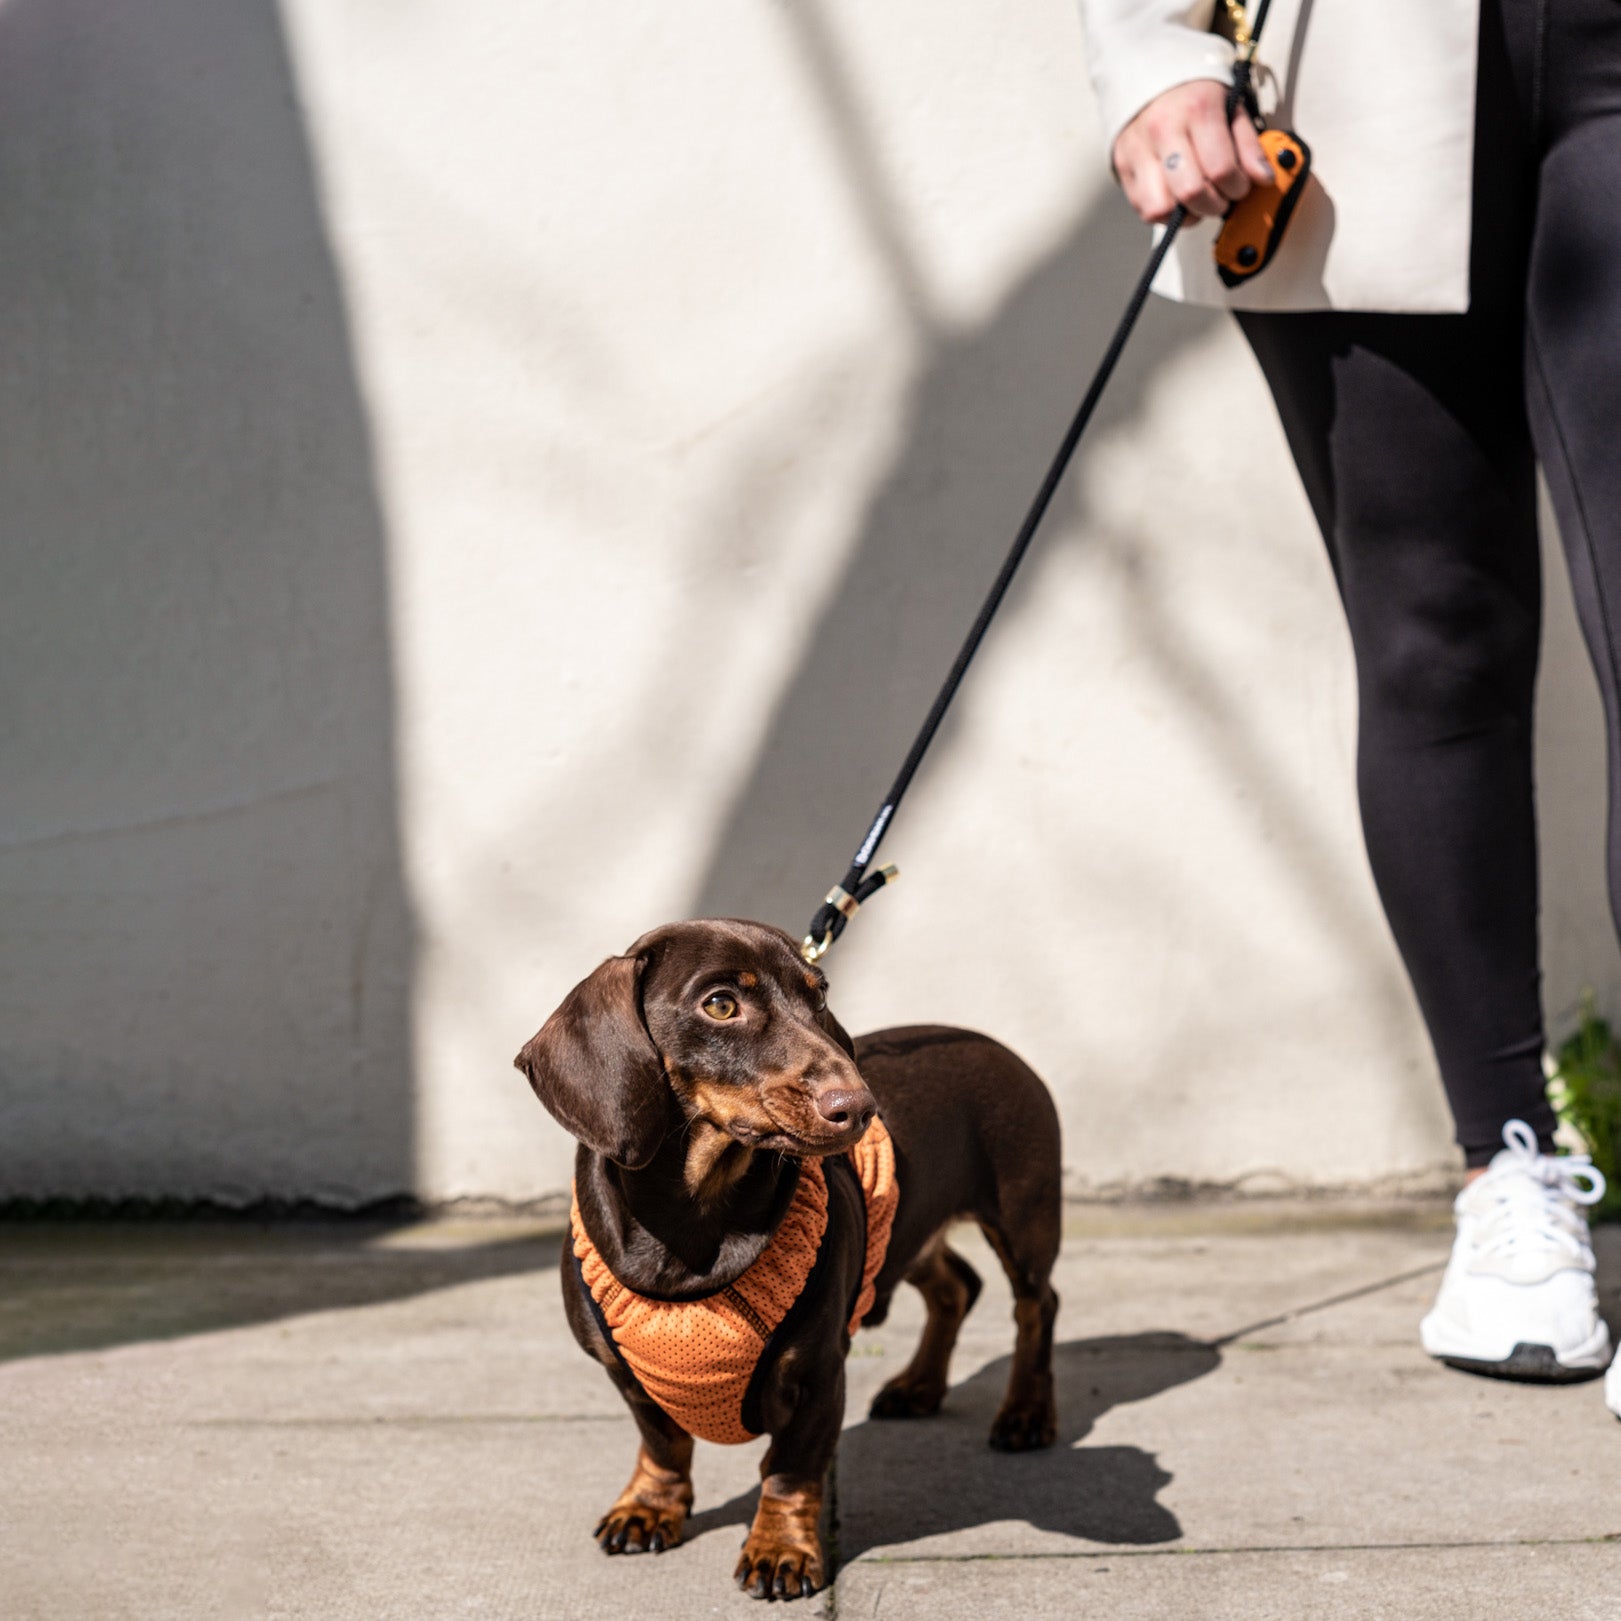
pixel 601 1321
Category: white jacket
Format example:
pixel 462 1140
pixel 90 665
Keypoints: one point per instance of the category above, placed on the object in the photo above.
pixel 1382 91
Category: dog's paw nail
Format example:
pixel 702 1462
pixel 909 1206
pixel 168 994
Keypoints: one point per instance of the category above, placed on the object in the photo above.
pixel 786 1573
pixel 624 1536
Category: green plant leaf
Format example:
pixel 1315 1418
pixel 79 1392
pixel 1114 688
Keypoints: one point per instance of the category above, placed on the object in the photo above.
pixel 1585 1089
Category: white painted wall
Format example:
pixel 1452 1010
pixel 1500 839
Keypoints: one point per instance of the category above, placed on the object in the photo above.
pixel 500 478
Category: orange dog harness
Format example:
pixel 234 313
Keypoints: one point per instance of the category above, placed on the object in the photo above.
pixel 697 1358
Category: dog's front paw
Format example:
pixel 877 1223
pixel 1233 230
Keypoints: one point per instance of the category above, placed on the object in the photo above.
pixel 908 1397
pixel 631 1526
pixel 651 1513
pixel 774 1569
pixel 783 1555
pixel 1025 1426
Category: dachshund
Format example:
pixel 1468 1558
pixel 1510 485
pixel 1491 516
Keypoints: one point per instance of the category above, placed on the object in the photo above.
pixel 720 1110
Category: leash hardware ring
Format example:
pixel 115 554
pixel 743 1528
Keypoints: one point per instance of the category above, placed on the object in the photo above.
pixel 846 905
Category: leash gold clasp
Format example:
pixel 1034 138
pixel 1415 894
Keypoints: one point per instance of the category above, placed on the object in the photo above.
pixel 844 903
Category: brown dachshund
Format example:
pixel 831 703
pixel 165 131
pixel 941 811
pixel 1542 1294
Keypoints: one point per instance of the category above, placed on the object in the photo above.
pixel 706 1080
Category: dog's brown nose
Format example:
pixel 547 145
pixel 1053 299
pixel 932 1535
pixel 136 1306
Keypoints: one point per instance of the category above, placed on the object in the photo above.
pixel 846 1106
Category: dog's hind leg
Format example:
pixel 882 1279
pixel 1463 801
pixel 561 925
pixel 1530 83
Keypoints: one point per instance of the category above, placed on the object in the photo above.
pixel 949 1286
pixel 1027 1250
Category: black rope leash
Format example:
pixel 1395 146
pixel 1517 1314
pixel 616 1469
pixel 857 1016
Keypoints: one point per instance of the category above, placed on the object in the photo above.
pixel 858 883
pixel 861 881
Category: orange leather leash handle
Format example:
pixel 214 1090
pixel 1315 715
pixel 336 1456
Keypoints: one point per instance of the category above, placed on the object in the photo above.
pixel 1254 225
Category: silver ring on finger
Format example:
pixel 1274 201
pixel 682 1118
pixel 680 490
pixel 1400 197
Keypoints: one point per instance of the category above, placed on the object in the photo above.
pixel 1172 161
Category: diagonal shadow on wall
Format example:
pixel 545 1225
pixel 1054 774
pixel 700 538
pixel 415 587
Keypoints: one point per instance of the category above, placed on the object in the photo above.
pixel 930 542
pixel 206 951
pixel 990 401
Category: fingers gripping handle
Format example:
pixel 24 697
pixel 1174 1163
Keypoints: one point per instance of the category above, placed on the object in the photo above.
pixel 1254 225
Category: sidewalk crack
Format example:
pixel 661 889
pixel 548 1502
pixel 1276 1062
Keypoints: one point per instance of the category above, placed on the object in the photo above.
pixel 1602 1540
pixel 830 1605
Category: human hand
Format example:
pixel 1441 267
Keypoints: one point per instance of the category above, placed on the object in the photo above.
pixel 1180 149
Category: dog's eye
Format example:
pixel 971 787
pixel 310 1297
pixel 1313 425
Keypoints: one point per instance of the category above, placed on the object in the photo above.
pixel 720 1006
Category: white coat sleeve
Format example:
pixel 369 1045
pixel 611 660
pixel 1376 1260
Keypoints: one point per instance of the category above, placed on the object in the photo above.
pixel 1136 49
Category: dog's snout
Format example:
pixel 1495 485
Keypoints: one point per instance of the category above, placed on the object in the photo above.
pixel 843 1106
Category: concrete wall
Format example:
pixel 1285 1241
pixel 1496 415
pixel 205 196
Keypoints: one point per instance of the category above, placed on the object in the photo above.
pixel 482 481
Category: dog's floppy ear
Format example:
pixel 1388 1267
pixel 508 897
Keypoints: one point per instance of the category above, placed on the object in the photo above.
pixel 594 1066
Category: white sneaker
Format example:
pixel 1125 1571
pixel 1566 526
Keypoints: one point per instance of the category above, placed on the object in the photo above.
pixel 1612 1388
pixel 1517 1299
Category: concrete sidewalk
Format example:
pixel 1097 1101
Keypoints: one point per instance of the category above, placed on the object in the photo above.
pixel 223 1420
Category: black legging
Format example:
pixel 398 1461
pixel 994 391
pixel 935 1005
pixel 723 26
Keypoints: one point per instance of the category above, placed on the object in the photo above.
pixel 1417 437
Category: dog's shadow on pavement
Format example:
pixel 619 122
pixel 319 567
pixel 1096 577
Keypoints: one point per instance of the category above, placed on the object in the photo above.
pixel 900 1480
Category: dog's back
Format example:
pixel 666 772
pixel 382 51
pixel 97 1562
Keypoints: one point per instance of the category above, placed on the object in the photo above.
pixel 973 1114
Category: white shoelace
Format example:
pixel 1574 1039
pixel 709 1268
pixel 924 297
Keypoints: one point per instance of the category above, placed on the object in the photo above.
pixel 1532 1198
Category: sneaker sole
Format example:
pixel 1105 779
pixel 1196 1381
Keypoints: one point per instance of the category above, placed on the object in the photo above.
pixel 1529 1364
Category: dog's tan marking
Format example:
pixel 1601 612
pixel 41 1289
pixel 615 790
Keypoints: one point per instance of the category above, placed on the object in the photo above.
pixel 651 1512
pixel 778 1101
pixel 723 1105
pixel 783 1554
pixel 715 1160
pixel 748 981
